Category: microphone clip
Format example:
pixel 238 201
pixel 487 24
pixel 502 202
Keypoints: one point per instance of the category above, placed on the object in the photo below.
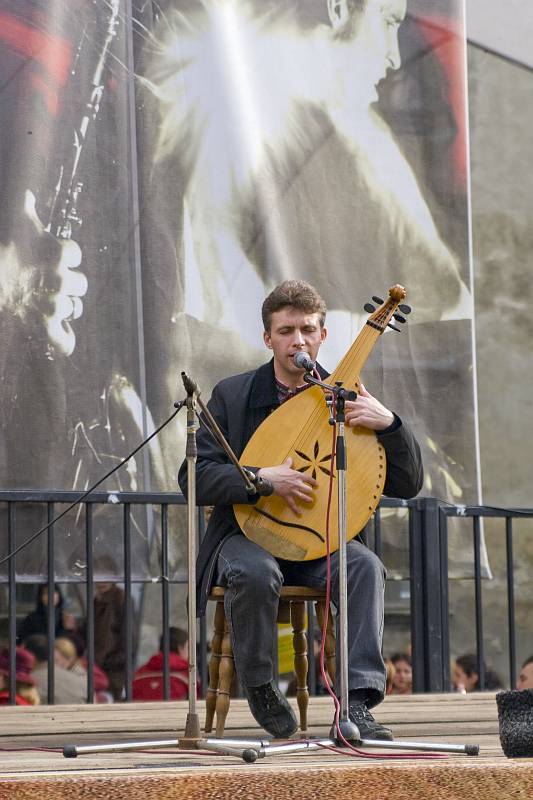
pixel 260 486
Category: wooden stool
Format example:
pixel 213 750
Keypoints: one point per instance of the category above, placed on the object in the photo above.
pixel 221 663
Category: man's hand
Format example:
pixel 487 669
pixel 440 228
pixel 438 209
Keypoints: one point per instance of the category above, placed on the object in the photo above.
pixel 368 412
pixel 290 484
pixel 39 281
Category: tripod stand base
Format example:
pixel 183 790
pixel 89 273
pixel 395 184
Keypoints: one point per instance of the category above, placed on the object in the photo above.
pixel 192 727
pixel 349 730
pixel 250 750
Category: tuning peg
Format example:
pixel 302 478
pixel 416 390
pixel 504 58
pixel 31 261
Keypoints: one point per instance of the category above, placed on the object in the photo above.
pixel 405 309
pixel 394 328
pixel 369 308
pixel 399 318
pixel 377 300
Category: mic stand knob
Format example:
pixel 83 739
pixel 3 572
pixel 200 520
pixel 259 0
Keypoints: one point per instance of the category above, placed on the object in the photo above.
pixel 261 486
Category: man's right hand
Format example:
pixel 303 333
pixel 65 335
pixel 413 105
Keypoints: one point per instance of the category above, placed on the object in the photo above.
pixel 39 279
pixel 295 487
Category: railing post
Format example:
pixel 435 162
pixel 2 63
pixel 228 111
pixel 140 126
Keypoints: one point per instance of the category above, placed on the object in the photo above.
pixel 429 597
pixel 510 599
pixel 480 644
pixel 128 604
pixel 51 620
pixel 12 610
pixel 165 601
pixel 416 539
pixel 89 600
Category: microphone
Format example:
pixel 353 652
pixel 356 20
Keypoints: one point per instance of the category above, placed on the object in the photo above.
pixel 304 361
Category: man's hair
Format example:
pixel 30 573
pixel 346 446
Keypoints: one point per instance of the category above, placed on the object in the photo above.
pixel 357 5
pixel 294 294
pixel 37 644
pixel 469 665
pixel 401 657
pixel 309 14
pixel 527 661
pixel 177 638
pixel 349 29
pixel 65 646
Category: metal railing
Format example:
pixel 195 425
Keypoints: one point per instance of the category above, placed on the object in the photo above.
pixel 13 500
pixel 426 537
pixel 476 514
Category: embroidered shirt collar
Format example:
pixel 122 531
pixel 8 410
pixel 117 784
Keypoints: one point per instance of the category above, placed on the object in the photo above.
pixel 285 393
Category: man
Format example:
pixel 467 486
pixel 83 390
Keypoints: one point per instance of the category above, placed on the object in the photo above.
pixel 66 413
pixel 253 172
pixel 293 318
pixel 40 284
pixel 525 679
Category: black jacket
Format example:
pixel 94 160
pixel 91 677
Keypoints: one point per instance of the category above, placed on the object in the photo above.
pixel 239 405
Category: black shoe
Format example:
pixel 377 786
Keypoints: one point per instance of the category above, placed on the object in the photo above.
pixel 366 724
pixel 271 710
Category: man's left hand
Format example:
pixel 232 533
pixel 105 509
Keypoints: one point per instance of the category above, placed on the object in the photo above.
pixel 368 412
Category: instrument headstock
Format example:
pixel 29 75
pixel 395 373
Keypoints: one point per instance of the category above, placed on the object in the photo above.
pixel 381 318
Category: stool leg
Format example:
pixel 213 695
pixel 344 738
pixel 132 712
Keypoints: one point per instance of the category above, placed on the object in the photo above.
pixel 301 664
pixel 227 671
pixel 329 644
pixel 214 667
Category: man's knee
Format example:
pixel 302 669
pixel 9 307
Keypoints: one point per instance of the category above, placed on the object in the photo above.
pixel 258 578
pixel 361 560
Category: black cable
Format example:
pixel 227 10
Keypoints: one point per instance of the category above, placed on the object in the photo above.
pixel 16 551
pixel 91 489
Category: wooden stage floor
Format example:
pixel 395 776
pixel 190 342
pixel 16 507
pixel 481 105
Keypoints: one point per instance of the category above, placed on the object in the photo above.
pixel 32 764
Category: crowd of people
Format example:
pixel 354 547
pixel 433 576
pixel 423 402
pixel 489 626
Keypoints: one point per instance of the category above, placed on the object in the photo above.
pixel 70 684
pixel 465 675
pixel 70 662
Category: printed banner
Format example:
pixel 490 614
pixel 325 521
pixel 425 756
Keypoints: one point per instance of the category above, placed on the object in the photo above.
pixel 163 166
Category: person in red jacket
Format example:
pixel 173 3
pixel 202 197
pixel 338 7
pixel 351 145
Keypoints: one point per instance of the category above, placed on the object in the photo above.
pixel 148 682
pixel 26 694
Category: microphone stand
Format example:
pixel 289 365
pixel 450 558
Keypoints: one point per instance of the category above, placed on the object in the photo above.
pixel 254 485
pixel 339 396
pixel 247 749
pixel 192 724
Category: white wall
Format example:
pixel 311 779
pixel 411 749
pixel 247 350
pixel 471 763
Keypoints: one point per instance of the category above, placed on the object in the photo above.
pixel 505 26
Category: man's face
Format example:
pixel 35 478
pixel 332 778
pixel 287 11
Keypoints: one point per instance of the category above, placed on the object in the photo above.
pixel 292 331
pixel 525 679
pixel 369 40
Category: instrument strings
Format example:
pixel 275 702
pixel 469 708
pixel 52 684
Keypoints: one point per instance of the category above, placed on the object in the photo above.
pixel 348 366
pixel 345 369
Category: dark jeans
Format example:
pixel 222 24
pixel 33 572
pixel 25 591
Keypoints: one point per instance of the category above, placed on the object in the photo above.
pixel 253 580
